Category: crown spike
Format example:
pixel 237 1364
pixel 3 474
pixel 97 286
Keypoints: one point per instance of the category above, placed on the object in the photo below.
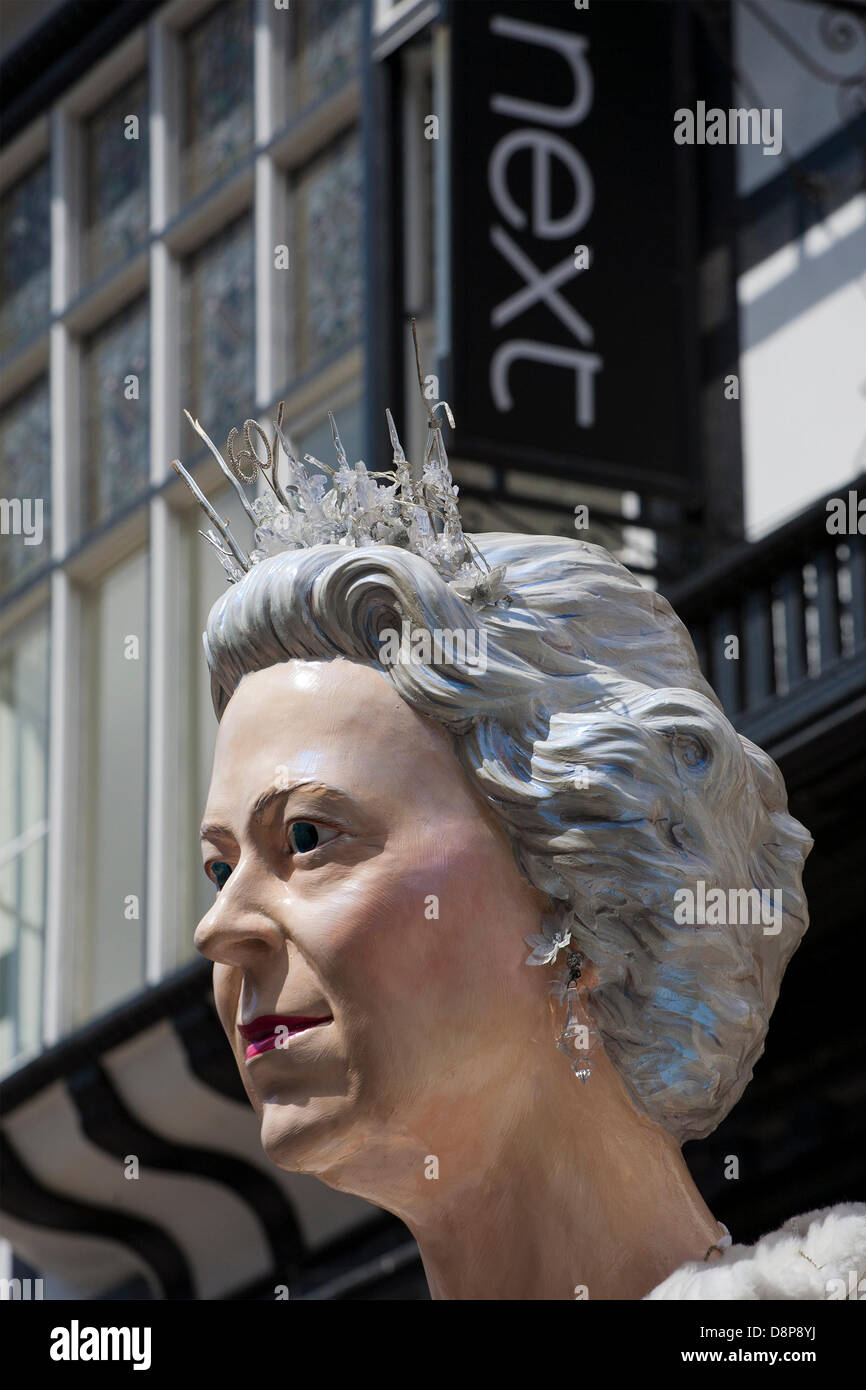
pixel 275 443
pixel 275 455
pixel 357 510
pixel 399 456
pixel 210 511
pixel 418 365
pixel 287 446
pixel 338 443
pixel 212 540
pixel 235 482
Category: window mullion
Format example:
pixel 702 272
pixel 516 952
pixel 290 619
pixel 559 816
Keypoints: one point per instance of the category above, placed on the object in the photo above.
pixel 163 829
pixel 268 298
pixel 63 919
pixel 63 925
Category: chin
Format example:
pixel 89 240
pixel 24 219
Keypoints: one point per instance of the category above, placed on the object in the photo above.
pixel 303 1138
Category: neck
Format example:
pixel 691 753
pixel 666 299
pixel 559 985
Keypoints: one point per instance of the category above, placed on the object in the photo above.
pixel 544 1190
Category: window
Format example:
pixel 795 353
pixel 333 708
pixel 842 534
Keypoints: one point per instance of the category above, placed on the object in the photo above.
pixel 25 263
pixel 327 265
pixel 116 141
pixel 25 469
pixel 321 42
pixel 23 834
pixel 217 94
pixel 218 309
pixel 116 443
pixel 419 182
pixel 114 790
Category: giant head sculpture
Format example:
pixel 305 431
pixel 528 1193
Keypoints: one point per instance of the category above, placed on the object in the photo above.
pixel 504 901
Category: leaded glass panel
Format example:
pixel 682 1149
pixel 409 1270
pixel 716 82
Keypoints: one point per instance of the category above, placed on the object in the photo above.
pixel 25 256
pixel 218 337
pixel 25 485
pixel 116 160
pixel 327 268
pixel 117 435
pixel 322 41
pixel 217 94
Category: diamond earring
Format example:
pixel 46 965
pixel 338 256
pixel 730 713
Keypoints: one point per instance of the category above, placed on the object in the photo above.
pixel 579 1034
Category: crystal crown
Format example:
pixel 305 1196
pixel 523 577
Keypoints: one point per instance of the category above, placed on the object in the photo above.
pixel 360 508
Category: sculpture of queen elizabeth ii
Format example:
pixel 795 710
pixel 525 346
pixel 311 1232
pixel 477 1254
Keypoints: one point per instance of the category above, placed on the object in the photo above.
pixel 394 841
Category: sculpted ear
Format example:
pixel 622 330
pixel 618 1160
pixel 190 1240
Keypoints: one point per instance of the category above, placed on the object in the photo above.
pixel 692 753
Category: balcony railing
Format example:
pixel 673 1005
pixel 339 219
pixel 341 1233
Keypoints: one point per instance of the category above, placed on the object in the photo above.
pixel 779 625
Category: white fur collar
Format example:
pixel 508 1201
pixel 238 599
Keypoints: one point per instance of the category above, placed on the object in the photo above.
pixel 821 1255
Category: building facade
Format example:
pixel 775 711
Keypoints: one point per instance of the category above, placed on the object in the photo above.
pixel 219 205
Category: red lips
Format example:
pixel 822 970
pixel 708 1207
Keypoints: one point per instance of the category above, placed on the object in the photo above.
pixel 274 1030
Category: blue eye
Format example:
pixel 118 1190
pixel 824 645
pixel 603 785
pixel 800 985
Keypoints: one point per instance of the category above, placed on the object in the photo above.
pixel 219 872
pixel 303 836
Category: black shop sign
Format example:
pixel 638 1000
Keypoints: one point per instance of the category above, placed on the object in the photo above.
pixel 569 270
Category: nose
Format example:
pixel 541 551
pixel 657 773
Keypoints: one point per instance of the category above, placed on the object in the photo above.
pixel 239 929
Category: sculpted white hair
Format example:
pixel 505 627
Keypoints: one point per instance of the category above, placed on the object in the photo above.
pixel 594 737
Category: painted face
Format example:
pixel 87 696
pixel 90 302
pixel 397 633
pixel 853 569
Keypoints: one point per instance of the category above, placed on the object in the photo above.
pixel 363 884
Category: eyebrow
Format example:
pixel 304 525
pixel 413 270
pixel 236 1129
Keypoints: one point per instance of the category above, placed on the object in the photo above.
pixel 211 829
